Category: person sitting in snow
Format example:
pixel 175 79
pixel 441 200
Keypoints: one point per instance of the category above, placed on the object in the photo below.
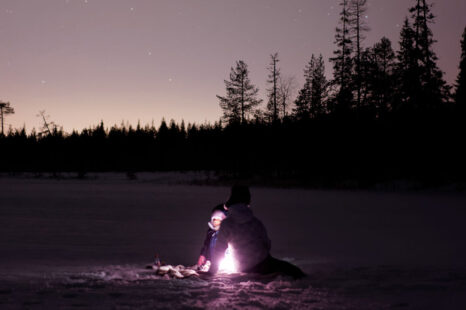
pixel 218 215
pixel 248 237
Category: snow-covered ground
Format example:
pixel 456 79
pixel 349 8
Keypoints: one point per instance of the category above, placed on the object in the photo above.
pixel 84 243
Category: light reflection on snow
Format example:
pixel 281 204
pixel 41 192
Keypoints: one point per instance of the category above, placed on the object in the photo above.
pixel 228 264
pixel 140 288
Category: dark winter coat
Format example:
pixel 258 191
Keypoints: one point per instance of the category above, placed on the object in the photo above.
pixel 247 236
pixel 209 243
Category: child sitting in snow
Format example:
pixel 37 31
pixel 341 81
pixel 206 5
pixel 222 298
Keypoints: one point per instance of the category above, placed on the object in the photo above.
pixel 218 215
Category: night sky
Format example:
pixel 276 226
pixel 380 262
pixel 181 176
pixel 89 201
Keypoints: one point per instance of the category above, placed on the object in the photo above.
pixel 89 60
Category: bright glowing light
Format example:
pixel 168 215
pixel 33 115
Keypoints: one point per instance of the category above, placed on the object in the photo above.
pixel 228 263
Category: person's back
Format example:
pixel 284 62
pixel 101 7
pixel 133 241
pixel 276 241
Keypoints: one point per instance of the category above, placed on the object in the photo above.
pixel 247 236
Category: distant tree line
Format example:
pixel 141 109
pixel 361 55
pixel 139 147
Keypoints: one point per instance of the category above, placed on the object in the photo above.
pixel 385 115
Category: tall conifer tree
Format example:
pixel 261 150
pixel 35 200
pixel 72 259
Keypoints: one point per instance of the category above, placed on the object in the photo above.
pixel 241 95
pixel 5 109
pixel 302 108
pixel 358 25
pixel 273 91
pixel 378 85
pixel 342 61
pixel 318 87
pixel 433 87
pixel 460 95
pixel 408 85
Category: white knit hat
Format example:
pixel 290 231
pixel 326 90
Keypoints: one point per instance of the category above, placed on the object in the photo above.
pixel 217 214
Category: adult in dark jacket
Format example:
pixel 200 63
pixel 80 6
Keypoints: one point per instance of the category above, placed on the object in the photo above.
pixel 248 237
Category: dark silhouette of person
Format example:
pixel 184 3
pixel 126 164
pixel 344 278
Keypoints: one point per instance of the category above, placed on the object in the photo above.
pixel 248 237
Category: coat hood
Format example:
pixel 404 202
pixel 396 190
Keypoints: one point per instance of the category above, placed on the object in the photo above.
pixel 240 213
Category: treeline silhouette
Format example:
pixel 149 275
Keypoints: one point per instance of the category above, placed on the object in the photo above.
pixel 385 116
pixel 328 151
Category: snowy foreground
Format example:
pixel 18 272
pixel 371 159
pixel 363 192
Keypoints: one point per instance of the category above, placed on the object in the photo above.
pixel 84 244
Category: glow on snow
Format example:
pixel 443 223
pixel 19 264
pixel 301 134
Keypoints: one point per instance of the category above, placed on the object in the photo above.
pixel 228 263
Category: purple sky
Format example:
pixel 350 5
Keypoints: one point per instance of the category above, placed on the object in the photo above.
pixel 89 60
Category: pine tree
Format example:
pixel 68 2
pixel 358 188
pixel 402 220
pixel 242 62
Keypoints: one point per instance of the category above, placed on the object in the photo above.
pixel 302 108
pixel 273 80
pixel 358 25
pixel 48 127
pixel 408 85
pixel 342 62
pixel 378 83
pixel 366 66
pixel 460 95
pixel 433 87
pixel 310 101
pixel 5 109
pixel 241 97
pixel 183 130
pixel 163 132
pixel 318 87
